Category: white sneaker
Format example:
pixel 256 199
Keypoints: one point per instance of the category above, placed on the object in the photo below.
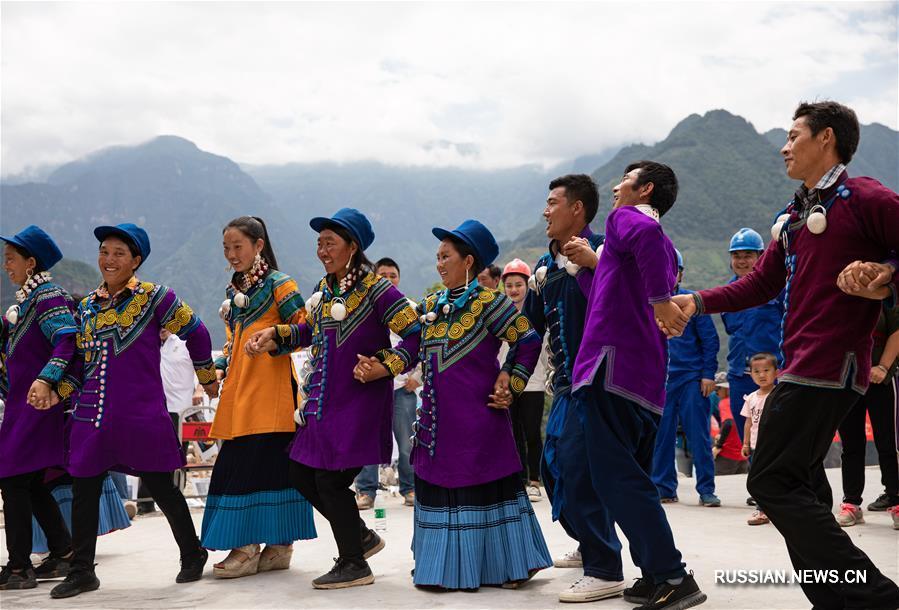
pixel 590 589
pixel 571 559
pixel 534 493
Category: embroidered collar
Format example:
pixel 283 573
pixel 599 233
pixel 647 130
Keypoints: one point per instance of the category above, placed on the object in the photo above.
pixel 455 299
pixel 102 291
pixel 31 285
pixel 649 211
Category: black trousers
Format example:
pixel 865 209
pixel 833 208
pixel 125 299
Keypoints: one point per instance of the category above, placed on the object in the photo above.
pixel 879 403
pixel 527 419
pixel 787 480
pixel 329 492
pixel 142 490
pixel 86 515
pixel 25 495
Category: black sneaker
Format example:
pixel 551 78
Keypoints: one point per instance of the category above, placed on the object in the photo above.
pixel 640 591
pixel 883 502
pixel 750 501
pixel 372 544
pixel 17 579
pixel 345 573
pixel 76 582
pixel 53 567
pixel 675 597
pixel 192 567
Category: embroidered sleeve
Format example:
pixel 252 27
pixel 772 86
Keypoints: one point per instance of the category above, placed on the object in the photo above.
pixel 179 319
pixel 398 315
pixel 291 306
pixel 289 337
pixel 506 324
pixel 54 315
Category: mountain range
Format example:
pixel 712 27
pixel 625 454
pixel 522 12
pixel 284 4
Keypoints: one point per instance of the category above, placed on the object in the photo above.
pixel 730 176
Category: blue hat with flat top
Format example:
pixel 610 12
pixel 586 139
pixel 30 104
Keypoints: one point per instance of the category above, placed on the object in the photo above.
pixel 476 235
pixel 129 232
pixel 38 244
pixel 350 219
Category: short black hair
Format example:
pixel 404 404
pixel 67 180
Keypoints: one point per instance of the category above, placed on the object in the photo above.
pixel 495 272
pixel 24 253
pixel 841 119
pixel 387 262
pixel 465 250
pixel 766 356
pixel 663 179
pixel 579 187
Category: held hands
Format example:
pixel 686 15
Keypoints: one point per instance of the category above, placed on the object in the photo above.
pixel 672 315
pixel 707 386
pixel 261 342
pixel 502 395
pixel 866 280
pixel 211 389
pixel 578 251
pixel 369 369
pixel 41 396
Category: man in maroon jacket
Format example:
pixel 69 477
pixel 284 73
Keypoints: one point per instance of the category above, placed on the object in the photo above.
pixel 832 223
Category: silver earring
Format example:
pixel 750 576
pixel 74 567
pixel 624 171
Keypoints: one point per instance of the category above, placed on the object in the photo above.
pixel 466 277
pixel 29 272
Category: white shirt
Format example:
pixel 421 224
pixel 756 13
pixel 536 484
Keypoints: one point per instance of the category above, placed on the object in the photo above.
pixel 178 377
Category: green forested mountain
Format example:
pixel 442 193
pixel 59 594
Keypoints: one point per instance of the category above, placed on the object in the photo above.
pixel 731 176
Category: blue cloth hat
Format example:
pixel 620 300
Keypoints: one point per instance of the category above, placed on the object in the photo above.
pixel 129 232
pixel 350 219
pixel 39 245
pixel 476 235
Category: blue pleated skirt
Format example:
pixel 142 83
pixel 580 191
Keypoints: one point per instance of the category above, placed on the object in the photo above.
pixel 484 534
pixel 112 512
pixel 250 500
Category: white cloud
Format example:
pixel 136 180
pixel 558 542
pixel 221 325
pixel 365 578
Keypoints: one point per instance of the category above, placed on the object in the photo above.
pixel 482 85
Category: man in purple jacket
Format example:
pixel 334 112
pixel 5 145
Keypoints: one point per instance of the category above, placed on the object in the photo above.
pixel 832 223
pixel 619 379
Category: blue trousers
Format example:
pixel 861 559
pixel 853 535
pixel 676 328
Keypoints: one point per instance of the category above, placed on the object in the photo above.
pixel 619 457
pixel 403 416
pixel 739 387
pixel 576 505
pixel 685 403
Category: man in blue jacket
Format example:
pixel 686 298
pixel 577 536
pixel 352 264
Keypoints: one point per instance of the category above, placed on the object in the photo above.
pixel 751 331
pixel 692 361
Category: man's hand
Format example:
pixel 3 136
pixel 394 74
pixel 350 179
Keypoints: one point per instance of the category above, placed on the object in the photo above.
pixel 878 374
pixel 261 342
pixel 579 252
pixel 707 386
pixel 671 319
pixel 412 384
pixel 746 451
pixel 502 396
pixel 866 279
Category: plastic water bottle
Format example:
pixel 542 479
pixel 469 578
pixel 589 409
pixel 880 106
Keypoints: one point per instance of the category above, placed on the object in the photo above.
pixel 380 512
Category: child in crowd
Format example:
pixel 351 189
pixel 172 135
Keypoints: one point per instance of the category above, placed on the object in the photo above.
pixel 763 368
pixel 727 448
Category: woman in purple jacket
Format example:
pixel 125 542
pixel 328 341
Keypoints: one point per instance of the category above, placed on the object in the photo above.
pixel 38 343
pixel 120 421
pixel 474 524
pixel 344 425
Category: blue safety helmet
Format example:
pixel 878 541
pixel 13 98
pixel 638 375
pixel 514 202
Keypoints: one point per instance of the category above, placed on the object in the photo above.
pixel 746 239
pixel 680 259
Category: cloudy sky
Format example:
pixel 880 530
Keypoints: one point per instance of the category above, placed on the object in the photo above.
pixel 476 85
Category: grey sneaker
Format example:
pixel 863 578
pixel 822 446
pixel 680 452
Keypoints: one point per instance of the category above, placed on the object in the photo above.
pixel 571 559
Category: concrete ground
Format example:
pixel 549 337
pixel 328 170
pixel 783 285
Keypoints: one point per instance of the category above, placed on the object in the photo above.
pixel 137 566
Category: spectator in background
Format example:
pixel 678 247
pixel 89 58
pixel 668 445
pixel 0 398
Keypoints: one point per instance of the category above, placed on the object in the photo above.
pixel 751 331
pixel 879 403
pixel 692 359
pixel 405 398
pixel 490 277
pixel 527 408
pixel 727 450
